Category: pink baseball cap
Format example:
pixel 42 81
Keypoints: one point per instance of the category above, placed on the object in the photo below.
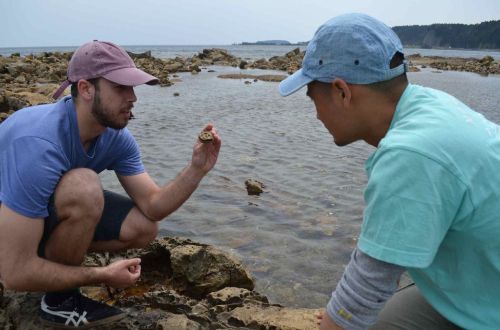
pixel 104 59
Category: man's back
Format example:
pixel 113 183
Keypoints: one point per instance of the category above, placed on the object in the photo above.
pixel 432 204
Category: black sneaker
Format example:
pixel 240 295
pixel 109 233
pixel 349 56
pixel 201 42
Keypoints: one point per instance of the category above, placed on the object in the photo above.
pixel 78 311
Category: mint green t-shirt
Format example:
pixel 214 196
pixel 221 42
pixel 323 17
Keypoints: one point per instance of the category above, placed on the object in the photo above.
pixel 433 205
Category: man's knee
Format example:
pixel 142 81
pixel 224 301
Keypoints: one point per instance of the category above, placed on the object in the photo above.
pixel 137 230
pixel 146 234
pixel 79 194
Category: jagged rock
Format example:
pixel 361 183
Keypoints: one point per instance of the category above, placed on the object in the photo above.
pixel 273 317
pixel 228 295
pixel 161 298
pixel 254 187
pixel 201 269
pixel 180 322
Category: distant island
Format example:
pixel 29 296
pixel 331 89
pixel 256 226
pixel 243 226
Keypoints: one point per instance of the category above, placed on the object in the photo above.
pixel 275 42
pixel 485 35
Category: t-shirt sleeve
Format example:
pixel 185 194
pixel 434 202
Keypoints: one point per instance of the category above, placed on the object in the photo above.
pixel 127 156
pixel 30 170
pixel 411 202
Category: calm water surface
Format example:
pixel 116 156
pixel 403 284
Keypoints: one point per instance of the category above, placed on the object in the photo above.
pixel 297 237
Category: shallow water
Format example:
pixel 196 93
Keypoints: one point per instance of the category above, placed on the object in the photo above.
pixel 297 237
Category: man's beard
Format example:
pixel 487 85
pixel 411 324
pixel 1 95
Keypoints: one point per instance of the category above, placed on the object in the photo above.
pixel 102 115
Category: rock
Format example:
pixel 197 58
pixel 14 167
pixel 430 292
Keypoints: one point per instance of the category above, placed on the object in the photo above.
pixel 228 295
pixel 487 60
pixel 254 187
pixel 176 94
pixel 146 54
pixel 266 77
pixel 203 269
pixel 273 317
pixel 180 322
pixel 243 64
pixel 161 298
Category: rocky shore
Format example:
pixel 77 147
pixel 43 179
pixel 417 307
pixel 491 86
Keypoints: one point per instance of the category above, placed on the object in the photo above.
pixel 32 79
pixel 184 285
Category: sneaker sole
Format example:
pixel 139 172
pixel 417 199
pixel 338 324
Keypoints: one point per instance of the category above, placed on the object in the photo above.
pixel 107 320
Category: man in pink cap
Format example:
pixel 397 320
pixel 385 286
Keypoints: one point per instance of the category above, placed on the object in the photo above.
pixel 53 209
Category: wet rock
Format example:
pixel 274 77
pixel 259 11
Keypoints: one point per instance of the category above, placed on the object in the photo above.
pixel 486 65
pixel 228 295
pixel 180 322
pixel 243 64
pixel 162 299
pixel 134 56
pixel 273 317
pixel 254 187
pixel 266 77
pixel 201 269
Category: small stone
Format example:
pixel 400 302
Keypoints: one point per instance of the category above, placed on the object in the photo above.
pixel 254 187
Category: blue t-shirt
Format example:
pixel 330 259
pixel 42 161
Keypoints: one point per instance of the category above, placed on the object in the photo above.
pixel 41 143
pixel 433 205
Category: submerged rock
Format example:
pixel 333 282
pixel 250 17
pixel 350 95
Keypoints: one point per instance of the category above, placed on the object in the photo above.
pixel 254 187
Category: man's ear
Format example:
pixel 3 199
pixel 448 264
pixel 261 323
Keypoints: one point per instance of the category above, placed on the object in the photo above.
pixel 341 88
pixel 85 89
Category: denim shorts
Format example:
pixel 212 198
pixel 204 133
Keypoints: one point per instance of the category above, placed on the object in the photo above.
pixel 116 208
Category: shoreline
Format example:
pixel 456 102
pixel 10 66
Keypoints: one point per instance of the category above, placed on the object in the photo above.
pixel 32 79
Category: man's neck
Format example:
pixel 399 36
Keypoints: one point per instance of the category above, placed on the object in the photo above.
pixel 380 111
pixel 88 127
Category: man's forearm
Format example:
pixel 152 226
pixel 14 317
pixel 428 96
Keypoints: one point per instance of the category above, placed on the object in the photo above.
pixel 171 196
pixel 43 275
pixel 362 291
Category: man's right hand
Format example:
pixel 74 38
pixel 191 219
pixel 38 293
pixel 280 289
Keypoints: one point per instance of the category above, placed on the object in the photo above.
pixel 123 273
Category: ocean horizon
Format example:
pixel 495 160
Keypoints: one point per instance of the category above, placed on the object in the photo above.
pixel 248 52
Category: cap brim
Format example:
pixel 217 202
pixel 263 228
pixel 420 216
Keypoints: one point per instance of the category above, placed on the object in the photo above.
pixel 131 77
pixel 293 83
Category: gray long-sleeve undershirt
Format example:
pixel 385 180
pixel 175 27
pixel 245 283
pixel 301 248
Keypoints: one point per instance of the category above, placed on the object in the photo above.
pixel 365 286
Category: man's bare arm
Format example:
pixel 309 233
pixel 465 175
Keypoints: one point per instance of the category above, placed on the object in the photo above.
pixel 23 270
pixel 158 202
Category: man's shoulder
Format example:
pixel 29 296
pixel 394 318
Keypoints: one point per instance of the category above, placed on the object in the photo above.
pixel 47 121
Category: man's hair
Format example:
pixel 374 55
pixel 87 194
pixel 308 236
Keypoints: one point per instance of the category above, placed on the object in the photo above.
pixel 390 85
pixel 74 87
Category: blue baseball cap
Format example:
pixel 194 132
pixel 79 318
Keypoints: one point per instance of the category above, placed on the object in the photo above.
pixel 356 48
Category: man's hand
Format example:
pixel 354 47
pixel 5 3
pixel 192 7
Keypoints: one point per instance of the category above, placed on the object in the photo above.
pixel 326 323
pixel 205 154
pixel 123 273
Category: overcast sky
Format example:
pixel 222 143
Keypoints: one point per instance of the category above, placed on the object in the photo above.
pixel 26 23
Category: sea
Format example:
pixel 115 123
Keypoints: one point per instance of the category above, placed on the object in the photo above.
pixel 296 237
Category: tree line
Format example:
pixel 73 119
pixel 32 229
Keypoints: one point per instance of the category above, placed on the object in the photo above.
pixel 485 35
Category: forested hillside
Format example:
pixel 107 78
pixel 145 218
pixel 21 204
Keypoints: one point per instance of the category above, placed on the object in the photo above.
pixel 484 35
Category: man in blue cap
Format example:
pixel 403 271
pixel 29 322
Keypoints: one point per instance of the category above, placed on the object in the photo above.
pixel 432 199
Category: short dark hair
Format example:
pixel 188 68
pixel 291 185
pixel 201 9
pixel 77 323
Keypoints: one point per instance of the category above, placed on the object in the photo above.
pixel 388 85
pixel 74 87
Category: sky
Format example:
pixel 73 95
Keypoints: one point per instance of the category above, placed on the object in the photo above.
pixel 30 23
